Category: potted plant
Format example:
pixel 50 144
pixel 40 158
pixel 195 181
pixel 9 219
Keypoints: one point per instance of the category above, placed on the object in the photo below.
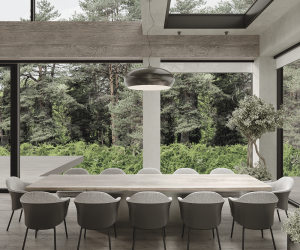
pixel 252 119
pixel 292 228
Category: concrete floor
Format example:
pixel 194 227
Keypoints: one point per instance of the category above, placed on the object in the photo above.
pixel 13 239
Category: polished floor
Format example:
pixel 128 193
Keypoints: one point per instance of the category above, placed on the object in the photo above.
pixel 13 239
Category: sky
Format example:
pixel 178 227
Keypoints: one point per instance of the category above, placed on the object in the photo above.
pixel 12 10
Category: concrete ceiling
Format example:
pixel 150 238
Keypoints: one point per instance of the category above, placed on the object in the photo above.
pixel 158 9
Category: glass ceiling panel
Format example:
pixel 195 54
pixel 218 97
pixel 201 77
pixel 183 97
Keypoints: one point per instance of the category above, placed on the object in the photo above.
pixel 14 10
pixel 210 6
pixel 88 10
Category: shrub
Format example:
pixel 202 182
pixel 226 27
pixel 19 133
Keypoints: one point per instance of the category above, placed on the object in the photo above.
pixel 292 226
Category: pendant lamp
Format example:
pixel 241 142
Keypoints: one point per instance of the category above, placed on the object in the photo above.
pixel 150 78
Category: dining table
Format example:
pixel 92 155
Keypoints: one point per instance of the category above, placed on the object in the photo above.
pixel 178 185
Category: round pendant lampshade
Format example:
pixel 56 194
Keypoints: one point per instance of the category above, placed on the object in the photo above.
pixel 150 78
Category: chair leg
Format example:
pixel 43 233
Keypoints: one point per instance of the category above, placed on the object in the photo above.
pixel 164 238
pixel 54 238
pixel 25 239
pixel 133 238
pixel 213 231
pixel 218 238
pixel 232 228
pixel 182 230
pixel 188 243
pixel 79 238
pixel 278 215
pixel 20 215
pixel 243 238
pixel 273 238
pixel 84 232
pixel 10 220
pixel 286 214
pixel 66 228
pixel 115 230
pixel 262 233
pixel 36 233
pixel 109 238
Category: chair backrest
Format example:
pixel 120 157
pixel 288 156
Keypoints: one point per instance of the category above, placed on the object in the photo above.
pixel 14 184
pixel 112 171
pixel 149 171
pixel 75 171
pixel 201 210
pixel 283 184
pixel 221 171
pixel 185 171
pixel 254 210
pixel 149 210
pixel 43 210
pixel 96 210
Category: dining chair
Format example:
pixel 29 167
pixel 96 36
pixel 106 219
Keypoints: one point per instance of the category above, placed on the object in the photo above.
pixel 95 211
pixel 149 210
pixel 221 171
pixel 185 171
pixel 254 211
pixel 282 188
pixel 44 211
pixel 113 171
pixel 16 189
pixel 149 171
pixel 72 194
pixel 201 211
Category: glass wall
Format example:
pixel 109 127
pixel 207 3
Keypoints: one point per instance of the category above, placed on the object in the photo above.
pixel 4 125
pixel 14 10
pixel 291 132
pixel 194 113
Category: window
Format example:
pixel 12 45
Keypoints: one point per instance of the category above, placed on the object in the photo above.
pixel 14 10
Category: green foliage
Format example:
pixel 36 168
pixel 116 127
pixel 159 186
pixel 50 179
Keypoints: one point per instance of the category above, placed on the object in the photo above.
pixel 4 151
pixel 259 171
pixel 291 226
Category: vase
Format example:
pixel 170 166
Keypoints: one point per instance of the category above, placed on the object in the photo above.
pixel 291 245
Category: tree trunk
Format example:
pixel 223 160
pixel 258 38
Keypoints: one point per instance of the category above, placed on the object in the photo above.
pixel 111 81
pixel 259 155
pixel 249 153
pixel 184 137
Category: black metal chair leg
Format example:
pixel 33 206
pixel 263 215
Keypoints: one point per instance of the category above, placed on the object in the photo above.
pixel 84 232
pixel 115 230
pixel 20 215
pixel 25 239
pixel 54 238
pixel 278 215
pixel 218 238
pixel 182 231
pixel 232 228
pixel 286 214
pixel 133 238
pixel 188 243
pixel 164 237
pixel 262 233
pixel 109 238
pixel 273 238
pixel 243 238
pixel 79 238
pixel 213 231
pixel 35 233
pixel 66 228
pixel 10 220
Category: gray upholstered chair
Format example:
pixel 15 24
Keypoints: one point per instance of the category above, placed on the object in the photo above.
pixel 44 211
pixel 185 171
pixel 149 210
pixel 96 210
pixel 16 188
pixel 254 211
pixel 202 211
pixel 282 188
pixel 149 171
pixel 112 171
pixel 72 171
pixel 221 171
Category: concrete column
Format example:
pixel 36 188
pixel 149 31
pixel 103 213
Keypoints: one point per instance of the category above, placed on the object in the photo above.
pixel 265 87
pixel 151 123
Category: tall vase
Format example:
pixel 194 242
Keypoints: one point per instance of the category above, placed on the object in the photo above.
pixel 291 245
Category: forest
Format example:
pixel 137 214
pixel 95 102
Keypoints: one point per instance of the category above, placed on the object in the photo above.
pixel 86 109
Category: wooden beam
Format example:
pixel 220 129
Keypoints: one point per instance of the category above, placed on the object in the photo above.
pixel 114 40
